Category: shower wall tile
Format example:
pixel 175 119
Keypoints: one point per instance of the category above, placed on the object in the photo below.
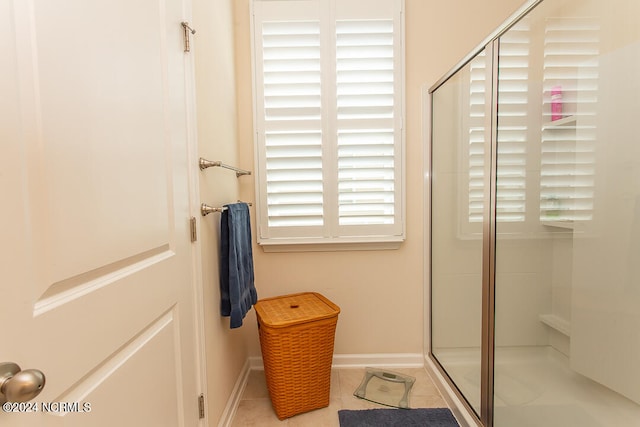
pixel 459 308
pixel 520 299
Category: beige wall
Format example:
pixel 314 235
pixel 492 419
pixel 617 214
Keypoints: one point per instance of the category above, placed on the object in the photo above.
pixel 441 33
pixel 226 349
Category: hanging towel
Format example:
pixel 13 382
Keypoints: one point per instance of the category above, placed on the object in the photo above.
pixel 237 288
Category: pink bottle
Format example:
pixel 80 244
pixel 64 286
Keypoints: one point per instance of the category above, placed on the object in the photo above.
pixel 556 103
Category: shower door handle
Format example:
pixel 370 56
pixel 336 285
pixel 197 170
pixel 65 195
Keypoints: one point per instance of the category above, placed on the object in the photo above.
pixel 17 385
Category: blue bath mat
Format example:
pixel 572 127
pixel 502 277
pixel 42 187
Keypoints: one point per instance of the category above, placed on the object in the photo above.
pixel 421 417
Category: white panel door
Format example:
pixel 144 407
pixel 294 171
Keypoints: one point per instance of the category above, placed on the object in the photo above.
pixel 96 277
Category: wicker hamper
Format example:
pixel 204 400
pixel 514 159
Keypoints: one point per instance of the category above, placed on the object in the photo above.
pixel 296 337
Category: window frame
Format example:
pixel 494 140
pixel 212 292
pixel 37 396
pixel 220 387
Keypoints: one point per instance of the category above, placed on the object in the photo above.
pixel 331 235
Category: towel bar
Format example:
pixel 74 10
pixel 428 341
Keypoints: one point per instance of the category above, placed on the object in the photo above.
pixel 206 209
pixel 204 164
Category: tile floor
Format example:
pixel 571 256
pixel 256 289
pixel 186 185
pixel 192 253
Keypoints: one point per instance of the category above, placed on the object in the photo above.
pixel 255 407
pixel 535 386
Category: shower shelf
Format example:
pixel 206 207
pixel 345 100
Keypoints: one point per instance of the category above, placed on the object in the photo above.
pixel 556 322
pixel 559 224
pixel 565 122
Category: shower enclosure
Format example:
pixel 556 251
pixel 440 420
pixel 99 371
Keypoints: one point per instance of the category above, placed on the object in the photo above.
pixel 535 220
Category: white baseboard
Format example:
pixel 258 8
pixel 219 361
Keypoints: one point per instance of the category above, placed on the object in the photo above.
pixel 345 361
pixel 256 363
pixel 388 360
pixel 340 361
pixel 226 419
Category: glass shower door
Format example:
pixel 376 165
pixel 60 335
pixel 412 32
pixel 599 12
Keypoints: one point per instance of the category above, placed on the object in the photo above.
pixel 567 260
pixel 457 158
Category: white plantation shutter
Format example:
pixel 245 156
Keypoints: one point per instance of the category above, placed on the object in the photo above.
pixel 513 100
pixel 565 191
pixel 365 122
pixel 292 128
pixel 571 49
pixel 476 130
pixel 328 115
pixel 513 96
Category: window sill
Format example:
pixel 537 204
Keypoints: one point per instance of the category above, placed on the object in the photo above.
pixel 290 245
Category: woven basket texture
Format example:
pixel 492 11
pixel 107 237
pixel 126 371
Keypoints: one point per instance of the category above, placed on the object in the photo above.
pixel 296 338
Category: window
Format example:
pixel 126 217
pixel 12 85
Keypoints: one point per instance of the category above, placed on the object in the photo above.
pixel 545 173
pixel 513 132
pixel 514 137
pixel 567 182
pixel 328 116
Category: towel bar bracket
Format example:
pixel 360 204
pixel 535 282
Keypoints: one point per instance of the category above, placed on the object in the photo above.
pixel 206 209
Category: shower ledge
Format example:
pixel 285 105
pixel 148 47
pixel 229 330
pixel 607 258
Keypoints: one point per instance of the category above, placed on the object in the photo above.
pixel 559 224
pixel 556 322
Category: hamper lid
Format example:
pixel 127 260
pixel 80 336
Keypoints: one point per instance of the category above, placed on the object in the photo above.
pixel 293 309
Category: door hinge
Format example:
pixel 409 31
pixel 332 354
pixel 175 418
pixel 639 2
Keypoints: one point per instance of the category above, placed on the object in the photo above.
pixel 194 230
pixel 186 29
pixel 201 406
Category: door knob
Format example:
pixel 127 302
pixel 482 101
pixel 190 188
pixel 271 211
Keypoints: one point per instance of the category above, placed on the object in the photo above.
pixel 17 385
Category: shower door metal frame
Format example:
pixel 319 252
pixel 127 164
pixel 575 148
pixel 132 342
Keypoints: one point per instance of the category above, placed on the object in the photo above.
pixel 488 94
pixel 488 237
pixel 492 46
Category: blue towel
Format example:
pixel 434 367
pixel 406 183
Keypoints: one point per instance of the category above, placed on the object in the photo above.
pixel 237 288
